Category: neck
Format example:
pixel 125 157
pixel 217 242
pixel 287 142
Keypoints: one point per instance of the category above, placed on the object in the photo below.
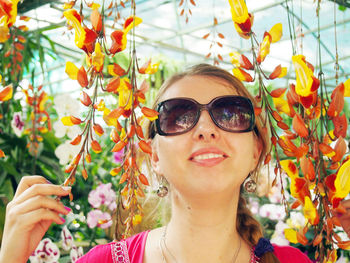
pixel 204 229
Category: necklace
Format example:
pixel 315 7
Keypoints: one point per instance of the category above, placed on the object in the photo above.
pixel 162 241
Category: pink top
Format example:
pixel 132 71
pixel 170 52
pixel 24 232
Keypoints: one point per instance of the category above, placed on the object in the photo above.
pixel 131 250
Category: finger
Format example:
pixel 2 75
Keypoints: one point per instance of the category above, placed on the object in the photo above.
pixel 28 181
pixel 38 202
pixel 42 189
pixel 34 217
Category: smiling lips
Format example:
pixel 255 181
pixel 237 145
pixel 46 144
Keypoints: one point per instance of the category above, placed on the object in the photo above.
pixel 208 157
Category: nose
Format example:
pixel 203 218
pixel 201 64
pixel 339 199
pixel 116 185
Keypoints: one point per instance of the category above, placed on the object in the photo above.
pixel 205 129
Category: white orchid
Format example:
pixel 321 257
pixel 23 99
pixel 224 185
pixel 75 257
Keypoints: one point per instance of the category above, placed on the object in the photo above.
pixel 46 252
pixel 61 130
pixel 65 105
pixel 65 152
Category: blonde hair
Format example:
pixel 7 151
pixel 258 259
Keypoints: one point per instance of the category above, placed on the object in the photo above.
pixel 247 226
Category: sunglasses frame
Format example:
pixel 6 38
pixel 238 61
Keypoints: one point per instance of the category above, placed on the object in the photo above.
pixel 208 107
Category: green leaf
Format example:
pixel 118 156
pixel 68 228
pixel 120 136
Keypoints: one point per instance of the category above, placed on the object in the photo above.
pixel 341 8
pixel 10 169
pixel 6 191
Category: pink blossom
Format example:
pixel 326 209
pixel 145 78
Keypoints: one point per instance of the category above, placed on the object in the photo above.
pixel 272 211
pixel 103 195
pixel 118 156
pixel 46 252
pixel 99 219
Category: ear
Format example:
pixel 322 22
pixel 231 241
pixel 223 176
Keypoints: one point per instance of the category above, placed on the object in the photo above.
pixel 155 157
pixel 258 146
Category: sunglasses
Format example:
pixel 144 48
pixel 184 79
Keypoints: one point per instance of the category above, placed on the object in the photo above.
pixel 230 113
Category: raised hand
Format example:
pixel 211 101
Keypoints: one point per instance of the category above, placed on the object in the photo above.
pixel 28 217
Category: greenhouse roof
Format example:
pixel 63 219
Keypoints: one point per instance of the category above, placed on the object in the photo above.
pixel 164 31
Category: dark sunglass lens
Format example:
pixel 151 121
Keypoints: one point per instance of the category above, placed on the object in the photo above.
pixel 233 113
pixel 177 115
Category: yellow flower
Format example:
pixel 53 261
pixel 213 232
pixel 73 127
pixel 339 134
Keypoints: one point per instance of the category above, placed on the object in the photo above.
pixel 281 105
pixel 291 235
pixel 152 68
pixel 136 219
pixel 342 180
pixel 304 76
pixel 310 211
pixel 276 32
pixel 347 88
pixel 71 70
pixel 98 58
pixel 125 98
pixel 239 11
pixel 290 168
pixel 74 20
pixel 4 30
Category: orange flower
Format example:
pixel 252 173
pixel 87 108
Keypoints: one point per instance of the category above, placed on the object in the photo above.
pixel 240 61
pixel 119 36
pixel 149 68
pixel 84 37
pixel 242 75
pixel 337 103
pixel 2 154
pixel 6 93
pixel 116 70
pixel 278 72
pixel 149 113
pixel 8 8
pixel 299 126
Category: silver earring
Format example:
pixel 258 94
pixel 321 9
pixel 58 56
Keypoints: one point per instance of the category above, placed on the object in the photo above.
pixel 162 189
pixel 250 185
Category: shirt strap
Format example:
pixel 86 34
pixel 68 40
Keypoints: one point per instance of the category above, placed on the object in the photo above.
pixel 119 252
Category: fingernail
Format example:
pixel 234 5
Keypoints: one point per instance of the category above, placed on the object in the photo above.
pixel 67 208
pixel 48 181
pixel 66 188
pixel 62 219
pixel 337 214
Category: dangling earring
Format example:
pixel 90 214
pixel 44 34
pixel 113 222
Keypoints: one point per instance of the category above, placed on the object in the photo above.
pixel 162 189
pixel 250 184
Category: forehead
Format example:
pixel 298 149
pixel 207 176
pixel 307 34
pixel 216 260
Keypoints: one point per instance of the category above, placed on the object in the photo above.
pixel 200 88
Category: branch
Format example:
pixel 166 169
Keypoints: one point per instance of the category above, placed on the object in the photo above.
pixel 345 3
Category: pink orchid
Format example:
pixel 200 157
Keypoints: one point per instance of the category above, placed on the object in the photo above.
pixel 99 219
pixel 103 195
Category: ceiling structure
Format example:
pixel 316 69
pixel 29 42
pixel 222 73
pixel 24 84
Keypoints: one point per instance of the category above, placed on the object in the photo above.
pixel 163 31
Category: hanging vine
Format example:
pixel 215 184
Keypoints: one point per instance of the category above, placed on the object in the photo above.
pixel 316 168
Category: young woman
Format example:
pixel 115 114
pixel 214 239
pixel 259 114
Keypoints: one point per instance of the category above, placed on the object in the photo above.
pixel 206 142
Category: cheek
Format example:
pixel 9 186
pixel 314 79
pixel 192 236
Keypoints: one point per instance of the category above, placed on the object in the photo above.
pixel 172 154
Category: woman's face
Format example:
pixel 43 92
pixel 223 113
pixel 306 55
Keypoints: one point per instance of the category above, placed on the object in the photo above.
pixel 206 159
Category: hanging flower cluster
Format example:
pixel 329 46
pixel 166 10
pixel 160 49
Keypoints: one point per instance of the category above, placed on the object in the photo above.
pixel 215 43
pixel 186 9
pixel 13 35
pixel 126 132
pixel 5 95
pixel 39 120
pixel 313 144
